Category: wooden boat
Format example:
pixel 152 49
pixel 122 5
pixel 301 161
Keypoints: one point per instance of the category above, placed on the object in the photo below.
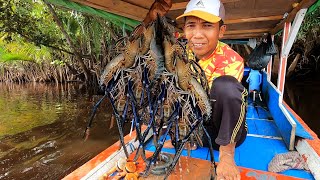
pixel 273 129
pixel 270 130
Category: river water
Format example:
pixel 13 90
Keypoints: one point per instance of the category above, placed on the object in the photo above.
pixel 41 126
pixel 304 98
pixel 41 130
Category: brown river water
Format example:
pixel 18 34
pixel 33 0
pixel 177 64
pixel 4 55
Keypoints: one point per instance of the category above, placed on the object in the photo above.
pixel 304 98
pixel 41 130
pixel 41 126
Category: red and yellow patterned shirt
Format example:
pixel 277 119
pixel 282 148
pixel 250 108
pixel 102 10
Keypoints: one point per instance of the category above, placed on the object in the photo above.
pixel 223 61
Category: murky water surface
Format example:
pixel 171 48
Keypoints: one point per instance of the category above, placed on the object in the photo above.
pixel 304 98
pixel 41 129
pixel 41 126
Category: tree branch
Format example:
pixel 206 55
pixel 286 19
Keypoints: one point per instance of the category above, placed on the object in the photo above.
pixel 72 46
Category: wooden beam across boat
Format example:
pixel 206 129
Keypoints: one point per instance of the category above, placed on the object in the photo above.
pixel 182 5
pixel 246 31
pixel 118 7
pixel 242 36
pixel 253 19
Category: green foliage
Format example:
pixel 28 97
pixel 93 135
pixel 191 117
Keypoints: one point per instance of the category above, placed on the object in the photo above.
pixel 17 50
pixel 310 24
pixel 30 20
pixel 58 62
pixel 13 57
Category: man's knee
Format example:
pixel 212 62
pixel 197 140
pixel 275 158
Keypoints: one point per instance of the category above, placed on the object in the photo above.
pixel 226 87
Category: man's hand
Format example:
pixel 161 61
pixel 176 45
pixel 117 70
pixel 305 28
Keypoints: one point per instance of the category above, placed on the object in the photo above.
pixel 227 168
pixel 160 7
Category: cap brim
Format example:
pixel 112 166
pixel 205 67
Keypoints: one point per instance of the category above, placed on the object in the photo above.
pixel 202 15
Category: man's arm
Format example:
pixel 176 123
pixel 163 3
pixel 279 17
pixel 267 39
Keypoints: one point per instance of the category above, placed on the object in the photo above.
pixel 160 7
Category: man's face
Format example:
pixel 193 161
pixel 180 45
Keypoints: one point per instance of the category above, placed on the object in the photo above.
pixel 202 35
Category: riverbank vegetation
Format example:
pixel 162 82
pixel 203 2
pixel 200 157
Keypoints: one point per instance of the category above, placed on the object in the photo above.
pixel 43 43
pixel 304 58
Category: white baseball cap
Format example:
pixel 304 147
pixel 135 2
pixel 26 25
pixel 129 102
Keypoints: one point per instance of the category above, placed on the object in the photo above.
pixel 208 10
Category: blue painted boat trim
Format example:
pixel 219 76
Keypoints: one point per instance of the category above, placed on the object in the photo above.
pixel 300 130
pixel 271 96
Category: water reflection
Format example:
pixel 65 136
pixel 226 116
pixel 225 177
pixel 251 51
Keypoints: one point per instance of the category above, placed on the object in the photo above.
pixel 41 128
pixel 304 98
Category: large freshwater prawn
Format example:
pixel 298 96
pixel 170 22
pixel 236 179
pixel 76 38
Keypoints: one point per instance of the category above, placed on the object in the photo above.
pixel 152 83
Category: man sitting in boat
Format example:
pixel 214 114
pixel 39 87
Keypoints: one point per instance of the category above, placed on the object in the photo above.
pixel 224 70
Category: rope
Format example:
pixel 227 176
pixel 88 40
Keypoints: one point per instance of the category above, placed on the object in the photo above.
pixel 285 161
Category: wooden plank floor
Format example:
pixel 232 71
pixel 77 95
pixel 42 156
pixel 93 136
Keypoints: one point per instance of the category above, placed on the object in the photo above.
pixel 187 168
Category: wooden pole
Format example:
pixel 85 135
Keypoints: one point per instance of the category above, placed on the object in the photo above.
pixel 269 67
pixel 283 59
